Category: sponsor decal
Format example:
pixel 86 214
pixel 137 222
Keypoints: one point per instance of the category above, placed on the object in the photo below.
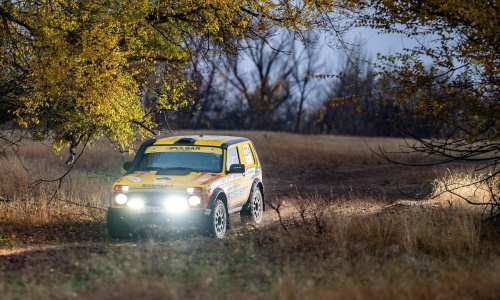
pixel 137 174
pixel 183 148
pixel 157 186
pixel 133 179
pixel 235 191
pixel 251 171
pixel 152 209
pixel 163 179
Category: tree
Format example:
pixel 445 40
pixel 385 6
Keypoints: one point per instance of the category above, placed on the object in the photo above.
pixel 349 105
pixel 460 91
pixel 208 94
pixel 74 70
pixel 262 81
pixel 306 63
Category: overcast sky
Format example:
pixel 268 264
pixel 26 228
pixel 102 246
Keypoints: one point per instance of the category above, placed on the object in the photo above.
pixel 382 43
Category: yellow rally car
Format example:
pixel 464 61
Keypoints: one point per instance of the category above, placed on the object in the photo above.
pixel 190 181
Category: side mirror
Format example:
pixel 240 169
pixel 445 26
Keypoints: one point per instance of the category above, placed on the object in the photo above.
pixel 237 169
pixel 127 165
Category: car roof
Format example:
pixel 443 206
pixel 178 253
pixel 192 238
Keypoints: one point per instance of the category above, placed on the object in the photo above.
pixel 201 140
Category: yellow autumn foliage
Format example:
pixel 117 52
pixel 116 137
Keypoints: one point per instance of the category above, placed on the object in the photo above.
pixel 77 70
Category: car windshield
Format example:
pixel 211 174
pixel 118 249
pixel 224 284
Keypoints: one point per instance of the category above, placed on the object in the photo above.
pixel 198 159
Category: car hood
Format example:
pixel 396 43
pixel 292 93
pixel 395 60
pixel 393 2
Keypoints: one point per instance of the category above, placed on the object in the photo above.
pixel 150 180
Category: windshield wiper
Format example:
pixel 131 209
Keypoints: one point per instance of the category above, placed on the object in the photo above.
pixel 175 171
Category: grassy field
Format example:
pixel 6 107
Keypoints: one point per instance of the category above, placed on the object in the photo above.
pixel 347 225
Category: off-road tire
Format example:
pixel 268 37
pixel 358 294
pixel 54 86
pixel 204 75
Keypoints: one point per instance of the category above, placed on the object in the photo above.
pixel 217 222
pixel 252 210
pixel 118 228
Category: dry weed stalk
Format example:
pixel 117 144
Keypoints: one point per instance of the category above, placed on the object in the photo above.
pixel 406 228
pixel 308 214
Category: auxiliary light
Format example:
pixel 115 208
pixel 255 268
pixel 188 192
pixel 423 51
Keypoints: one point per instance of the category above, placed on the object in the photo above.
pixel 136 204
pixel 176 204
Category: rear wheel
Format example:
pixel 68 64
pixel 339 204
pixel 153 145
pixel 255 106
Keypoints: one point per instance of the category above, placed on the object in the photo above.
pixel 253 209
pixel 118 228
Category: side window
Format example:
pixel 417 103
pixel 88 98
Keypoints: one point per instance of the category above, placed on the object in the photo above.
pixel 232 157
pixel 248 155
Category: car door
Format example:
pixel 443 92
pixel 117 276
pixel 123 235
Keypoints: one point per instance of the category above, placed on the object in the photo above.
pixel 248 158
pixel 236 183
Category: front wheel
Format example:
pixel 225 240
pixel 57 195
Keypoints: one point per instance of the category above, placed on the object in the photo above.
pixel 253 209
pixel 217 223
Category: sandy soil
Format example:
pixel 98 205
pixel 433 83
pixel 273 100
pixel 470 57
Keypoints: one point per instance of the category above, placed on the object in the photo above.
pixel 386 183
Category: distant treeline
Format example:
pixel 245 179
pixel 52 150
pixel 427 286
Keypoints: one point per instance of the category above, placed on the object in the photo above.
pixel 291 88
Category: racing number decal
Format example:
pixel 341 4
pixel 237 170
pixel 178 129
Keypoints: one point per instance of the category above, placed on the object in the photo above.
pixel 248 154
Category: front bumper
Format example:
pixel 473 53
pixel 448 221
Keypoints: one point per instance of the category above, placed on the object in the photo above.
pixel 134 218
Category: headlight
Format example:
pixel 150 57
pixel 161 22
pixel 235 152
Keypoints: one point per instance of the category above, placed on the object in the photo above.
pixel 176 204
pixel 121 199
pixel 135 203
pixel 194 200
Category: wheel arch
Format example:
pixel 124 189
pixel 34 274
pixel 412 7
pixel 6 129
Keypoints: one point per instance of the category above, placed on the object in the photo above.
pixel 257 182
pixel 217 194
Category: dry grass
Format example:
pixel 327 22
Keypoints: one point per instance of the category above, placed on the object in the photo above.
pixel 411 253
pixel 44 211
pixel 459 184
pixel 329 244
